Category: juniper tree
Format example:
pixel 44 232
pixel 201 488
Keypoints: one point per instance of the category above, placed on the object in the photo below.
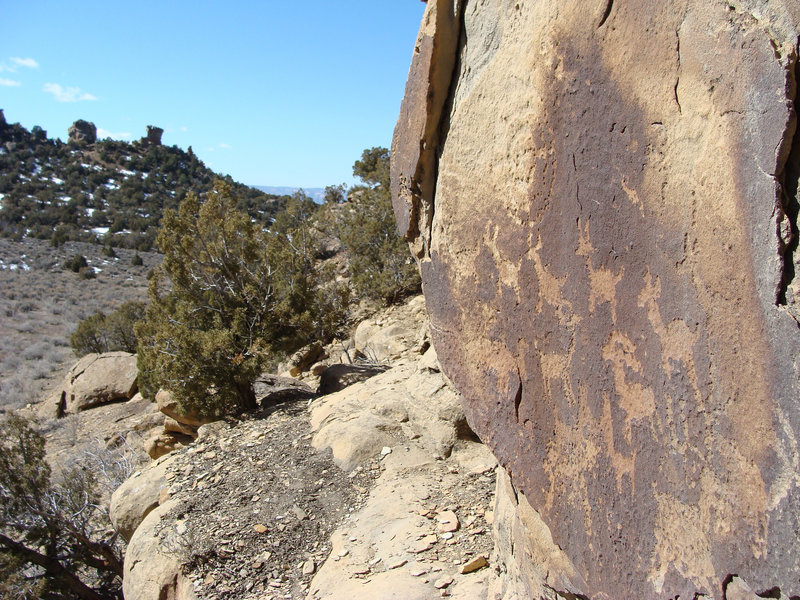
pixel 381 266
pixel 227 296
pixel 52 535
pixel 210 302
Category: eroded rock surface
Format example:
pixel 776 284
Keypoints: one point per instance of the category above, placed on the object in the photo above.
pixel 102 378
pixel 94 380
pixel 82 132
pixel 604 208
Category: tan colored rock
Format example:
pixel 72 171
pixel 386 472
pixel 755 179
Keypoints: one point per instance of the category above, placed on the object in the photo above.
pixel 447 521
pixel 99 379
pixel 392 334
pixel 162 442
pixel 169 406
pixel 357 422
pixel 605 235
pixel 138 495
pixel 301 360
pixel 475 564
pixel 308 567
pixel 54 406
pixel 153 561
pixel 172 426
pixel 384 532
pixel 318 368
pixel 739 590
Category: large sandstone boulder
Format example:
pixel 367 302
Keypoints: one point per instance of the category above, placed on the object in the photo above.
pixel 409 401
pixel 99 379
pixel 603 200
pixel 138 495
pixel 154 557
pixel 82 132
pixel 161 443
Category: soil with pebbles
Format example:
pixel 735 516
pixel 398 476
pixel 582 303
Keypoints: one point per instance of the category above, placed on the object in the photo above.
pixel 258 505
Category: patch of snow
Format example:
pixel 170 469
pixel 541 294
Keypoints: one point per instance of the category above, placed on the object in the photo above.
pixel 100 230
pixel 126 172
pixel 56 180
pixel 111 185
pixel 14 266
pixel 89 211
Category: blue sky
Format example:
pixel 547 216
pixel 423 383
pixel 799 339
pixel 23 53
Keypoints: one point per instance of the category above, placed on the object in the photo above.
pixel 272 93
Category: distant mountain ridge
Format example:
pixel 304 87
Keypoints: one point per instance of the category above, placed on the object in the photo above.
pixel 102 191
pixel 317 194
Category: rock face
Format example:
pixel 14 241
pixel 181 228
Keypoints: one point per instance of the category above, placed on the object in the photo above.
pixel 82 132
pixel 137 496
pixel 169 406
pixel 603 201
pixel 153 560
pixel 99 379
pixel 153 135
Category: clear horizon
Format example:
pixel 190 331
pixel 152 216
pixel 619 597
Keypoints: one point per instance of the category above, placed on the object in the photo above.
pixel 271 93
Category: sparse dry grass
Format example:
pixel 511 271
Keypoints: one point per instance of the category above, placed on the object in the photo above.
pixel 40 308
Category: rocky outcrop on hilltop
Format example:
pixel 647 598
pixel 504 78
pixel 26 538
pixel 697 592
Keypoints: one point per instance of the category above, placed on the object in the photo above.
pixel 603 201
pixel 82 132
pixel 153 136
pixel 102 178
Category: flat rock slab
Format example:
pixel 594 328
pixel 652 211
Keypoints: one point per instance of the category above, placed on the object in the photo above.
pixel 390 548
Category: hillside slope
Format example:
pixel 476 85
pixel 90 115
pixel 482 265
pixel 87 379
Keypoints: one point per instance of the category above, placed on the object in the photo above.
pixel 101 191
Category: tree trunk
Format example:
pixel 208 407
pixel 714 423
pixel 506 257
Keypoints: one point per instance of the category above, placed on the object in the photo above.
pixel 54 568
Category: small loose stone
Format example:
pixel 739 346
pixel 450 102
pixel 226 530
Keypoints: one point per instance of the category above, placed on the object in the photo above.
pixel 479 562
pixel 308 567
pixel 442 582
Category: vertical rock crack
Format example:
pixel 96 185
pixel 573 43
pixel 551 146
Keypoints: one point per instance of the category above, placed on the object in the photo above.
pixel 788 175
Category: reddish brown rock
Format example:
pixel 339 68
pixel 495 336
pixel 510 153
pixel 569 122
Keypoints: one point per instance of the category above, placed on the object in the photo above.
pixel 608 251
